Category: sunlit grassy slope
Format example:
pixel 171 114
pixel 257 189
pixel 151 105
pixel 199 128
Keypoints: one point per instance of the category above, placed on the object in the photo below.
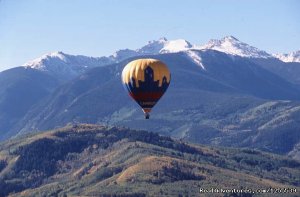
pixel 93 160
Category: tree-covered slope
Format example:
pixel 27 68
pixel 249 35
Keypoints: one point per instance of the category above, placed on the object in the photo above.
pixel 93 160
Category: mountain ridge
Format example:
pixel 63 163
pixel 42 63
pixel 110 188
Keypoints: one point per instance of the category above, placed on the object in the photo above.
pixel 290 57
pixel 69 65
pixel 218 105
pixel 215 98
pixel 109 161
pixel 231 45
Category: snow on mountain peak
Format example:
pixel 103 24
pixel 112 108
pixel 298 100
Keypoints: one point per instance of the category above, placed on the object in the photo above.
pixel 64 65
pixel 175 46
pixel 39 63
pixel 58 54
pixel 291 57
pixel 153 46
pixel 122 54
pixel 233 46
pixel 60 63
pixel 165 46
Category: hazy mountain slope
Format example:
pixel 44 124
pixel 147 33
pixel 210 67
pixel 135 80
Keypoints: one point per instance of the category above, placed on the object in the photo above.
pixel 211 93
pixel 99 92
pixel 20 89
pixel 85 99
pixel 247 77
pixel 272 126
pixel 290 71
pixel 295 153
pixel 216 105
pixel 90 160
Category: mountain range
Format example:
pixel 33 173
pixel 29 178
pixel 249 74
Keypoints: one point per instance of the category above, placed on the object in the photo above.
pixel 61 64
pixel 94 160
pixel 224 93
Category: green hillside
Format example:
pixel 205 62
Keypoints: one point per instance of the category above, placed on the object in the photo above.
pixel 93 160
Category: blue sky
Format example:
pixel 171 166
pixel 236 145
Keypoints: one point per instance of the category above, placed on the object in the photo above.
pixel 30 28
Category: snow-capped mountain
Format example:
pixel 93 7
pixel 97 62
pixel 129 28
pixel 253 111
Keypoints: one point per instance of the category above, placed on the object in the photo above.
pixel 68 66
pixel 64 65
pixel 164 46
pixel 153 47
pixel 291 57
pixel 233 46
pixel 122 54
pixel 222 86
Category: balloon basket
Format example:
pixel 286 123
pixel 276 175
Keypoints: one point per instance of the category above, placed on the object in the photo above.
pixel 147 115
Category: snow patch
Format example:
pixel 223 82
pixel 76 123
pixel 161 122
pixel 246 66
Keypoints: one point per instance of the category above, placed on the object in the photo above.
pixel 153 47
pixel 175 46
pixel 291 57
pixel 196 58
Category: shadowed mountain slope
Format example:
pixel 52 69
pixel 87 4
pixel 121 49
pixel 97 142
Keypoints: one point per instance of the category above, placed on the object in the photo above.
pixel 219 104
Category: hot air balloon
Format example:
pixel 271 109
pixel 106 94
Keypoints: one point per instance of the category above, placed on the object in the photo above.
pixel 146 80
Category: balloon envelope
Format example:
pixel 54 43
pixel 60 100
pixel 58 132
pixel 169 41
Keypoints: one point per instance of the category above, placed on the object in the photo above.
pixel 146 80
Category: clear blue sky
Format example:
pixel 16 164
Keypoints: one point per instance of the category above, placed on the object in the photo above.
pixel 30 28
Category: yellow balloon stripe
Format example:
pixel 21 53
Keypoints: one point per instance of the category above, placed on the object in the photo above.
pixel 136 68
